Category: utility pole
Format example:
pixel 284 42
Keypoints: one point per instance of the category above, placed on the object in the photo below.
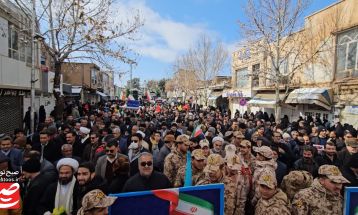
pixel 33 34
pixel 131 78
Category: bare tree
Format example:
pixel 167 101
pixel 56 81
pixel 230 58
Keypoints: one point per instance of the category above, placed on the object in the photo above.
pixel 205 59
pixel 275 30
pixel 82 30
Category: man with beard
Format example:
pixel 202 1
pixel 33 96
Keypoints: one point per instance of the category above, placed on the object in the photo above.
pixel 323 196
pixel 146 178
pixel 307 162
pixel 104 166
pixel 218 143
pixel 246 155
pixel 62 193
pixel 214 170
pixel 87 180
pixel 197 166
pixel 329 156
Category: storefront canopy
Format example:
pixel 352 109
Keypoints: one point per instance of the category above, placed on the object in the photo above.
pixel 264 100
pixel 102 94
pixel 318 96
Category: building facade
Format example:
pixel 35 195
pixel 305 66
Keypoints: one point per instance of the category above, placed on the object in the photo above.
pixel 325 87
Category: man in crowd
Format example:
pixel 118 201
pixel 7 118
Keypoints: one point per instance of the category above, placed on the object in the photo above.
pixel 91 150
pixel 307 161
pixel 329 156
pixel 177 158
pixel 197 166
pixel 8 150
pixel 323 197
pixel 160 154
pixel 147 178
pixel 135 149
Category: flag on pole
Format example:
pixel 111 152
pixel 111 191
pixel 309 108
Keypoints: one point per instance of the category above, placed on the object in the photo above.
pixel 188 172
pixel 198 132
pixel 183 204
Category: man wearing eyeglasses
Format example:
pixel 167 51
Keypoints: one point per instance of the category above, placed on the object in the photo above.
pixel 177 158
pixel 104 166
pixel 146 178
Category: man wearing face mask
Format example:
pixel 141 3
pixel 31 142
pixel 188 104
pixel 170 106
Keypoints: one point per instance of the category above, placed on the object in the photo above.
pixel 307 162
pixel 134 150
pixel 323 196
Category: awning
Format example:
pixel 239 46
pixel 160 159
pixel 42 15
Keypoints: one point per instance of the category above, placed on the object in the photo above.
pixel 318 96
pixel 76 90
pixel 212 98
pixel 101 94
pixel 264 100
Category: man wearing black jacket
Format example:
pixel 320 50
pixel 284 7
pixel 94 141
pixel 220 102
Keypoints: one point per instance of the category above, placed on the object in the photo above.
pixel 87 181
pixel 329 156
pixel 38 184
pixel 147 178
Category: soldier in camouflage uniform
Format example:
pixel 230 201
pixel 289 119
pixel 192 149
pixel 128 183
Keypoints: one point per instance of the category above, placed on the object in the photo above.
pixel 95 202
pixel 214 170
pixel 177 158
pixel 236 186
pixel 323 197
pixel 296 181
pixel 197 165
pixel 264 161
pixel 273 201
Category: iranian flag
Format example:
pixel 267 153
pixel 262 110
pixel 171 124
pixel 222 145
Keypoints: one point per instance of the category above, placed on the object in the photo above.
pixel 197 132
pixel 184 204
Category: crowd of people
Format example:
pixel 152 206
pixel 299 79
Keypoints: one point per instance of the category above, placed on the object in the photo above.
pixel 292 167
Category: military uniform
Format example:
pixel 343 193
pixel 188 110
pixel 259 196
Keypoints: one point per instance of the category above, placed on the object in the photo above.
pixel 278 204
pixel 296 181
pixel 236 187
pixel 175 160
pixel 214 162
pixel 197 175
pixel 260 167
pixel 95 199
pixel 317 200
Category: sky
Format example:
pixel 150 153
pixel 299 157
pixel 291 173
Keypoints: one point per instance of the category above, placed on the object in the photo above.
pixel 171 27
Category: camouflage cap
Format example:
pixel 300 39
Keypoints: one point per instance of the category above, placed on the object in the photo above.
pixel 228 134
pixel 183 139
pixel 268 178
pixel 213 163
pixel 95 199
pixel 245 143
pixel 198 154
pixel 332 172
pixel 295 181
pixel 233 162
pixel 264 151
pixel 204 143
pixel 238 134
pixel 353 142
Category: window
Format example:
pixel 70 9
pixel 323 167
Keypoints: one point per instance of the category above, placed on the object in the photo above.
pixel 19 45
pixel 94 76
pixel 347 64
pixel 242 77
pixel 255 75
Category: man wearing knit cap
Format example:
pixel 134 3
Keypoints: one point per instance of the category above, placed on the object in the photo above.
pixel 197 165
pixel 273 200
pixel 323 196
pixel 264 162
pixel 61 193
pixel 37 187
pixel 218 143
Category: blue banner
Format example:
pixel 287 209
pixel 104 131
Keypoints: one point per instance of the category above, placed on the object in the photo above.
pixel 207 199
pixel 133 104
pixel 351 201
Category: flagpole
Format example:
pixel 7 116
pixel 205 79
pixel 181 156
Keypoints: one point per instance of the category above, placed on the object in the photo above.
pixel 188 171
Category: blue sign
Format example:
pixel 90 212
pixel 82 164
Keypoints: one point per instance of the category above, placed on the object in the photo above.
pixel 351 201
pixel 203 200
pixel 133 104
